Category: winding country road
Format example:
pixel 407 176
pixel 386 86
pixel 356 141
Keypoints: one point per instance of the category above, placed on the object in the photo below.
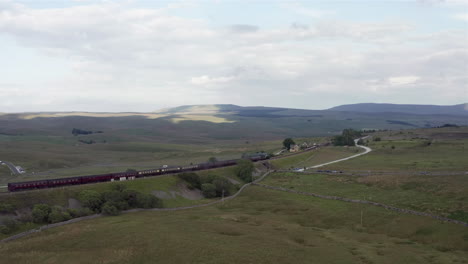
pixel 367 150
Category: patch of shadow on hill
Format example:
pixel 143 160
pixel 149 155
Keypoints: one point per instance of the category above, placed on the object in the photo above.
pixel 397 122
pixel 268 114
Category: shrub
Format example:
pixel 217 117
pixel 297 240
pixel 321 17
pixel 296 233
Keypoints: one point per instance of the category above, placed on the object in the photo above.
pixel 7 208
pixel 377 139
pixel 148 201
pixel 131 198
pixel 209 190
pixel 109 209
pixel 244 169
pixel 192 179
pixel 91 199
pixel 459 215
pixel 40 213
pixel 8 226
pixel 56 216
pixel 207 178
pixel 4 230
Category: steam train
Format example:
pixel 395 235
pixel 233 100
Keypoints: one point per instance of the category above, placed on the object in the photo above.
pixel 130 175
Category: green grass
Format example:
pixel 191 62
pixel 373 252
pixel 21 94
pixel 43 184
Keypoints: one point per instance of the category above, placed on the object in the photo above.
pixel 261 226
pixel 315 157
pixel 446 152
pixel 433 194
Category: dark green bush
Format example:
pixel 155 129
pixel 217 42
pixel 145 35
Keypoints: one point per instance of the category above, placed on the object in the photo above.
pixel 91 199
pixel 148 201
pixel 109 209
pixel 222 184
pixel 209 190
pixel 244 169
pixel 40 213
pixel 7 208
pixel 8 226
pixel 192 179
pixel 57 216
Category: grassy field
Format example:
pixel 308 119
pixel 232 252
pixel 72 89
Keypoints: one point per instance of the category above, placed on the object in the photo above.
pixel 63 159
pixel 417 150
pixel 438 195
pixel 261 226
pixel 315 157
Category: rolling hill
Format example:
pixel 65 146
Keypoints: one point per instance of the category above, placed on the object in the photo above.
pixel 459 109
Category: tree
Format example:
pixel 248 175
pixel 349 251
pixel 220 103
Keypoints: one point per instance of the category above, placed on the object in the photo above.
pixel 209 190
pixel 40 213
pixel 288 142
pixel 212 160
pixel 346 138
pixel 91 199
pixel 222 186
pixel 244 169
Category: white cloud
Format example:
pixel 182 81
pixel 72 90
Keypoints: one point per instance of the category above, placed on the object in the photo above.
pixel 143 59
pixel 463 17
pixel 207 80
pixel 403 80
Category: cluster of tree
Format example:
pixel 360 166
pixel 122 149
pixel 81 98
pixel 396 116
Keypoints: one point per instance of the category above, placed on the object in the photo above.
pixel 44 213
pixel 109 202
pixel 77 131
pixel 244 170
pixel 447 125
pixel 288 142
pixel 8 226
pixel 87 141
pixel 210 185
pixel 41 214
pixel 346 138
pixel 117 199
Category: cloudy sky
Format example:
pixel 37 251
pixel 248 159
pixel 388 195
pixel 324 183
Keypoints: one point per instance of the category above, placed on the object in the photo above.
pixel 145 55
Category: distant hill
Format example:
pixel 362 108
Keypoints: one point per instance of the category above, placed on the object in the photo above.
pixel 460 109
pixel 203 124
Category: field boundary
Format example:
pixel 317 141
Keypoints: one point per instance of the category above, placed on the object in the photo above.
pixel 388 207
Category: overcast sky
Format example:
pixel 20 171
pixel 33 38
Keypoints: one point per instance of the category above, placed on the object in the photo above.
pixel 145 55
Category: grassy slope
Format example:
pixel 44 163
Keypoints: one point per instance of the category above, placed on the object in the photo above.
pixel 433 194
pixel 261 226
pixel 448 151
